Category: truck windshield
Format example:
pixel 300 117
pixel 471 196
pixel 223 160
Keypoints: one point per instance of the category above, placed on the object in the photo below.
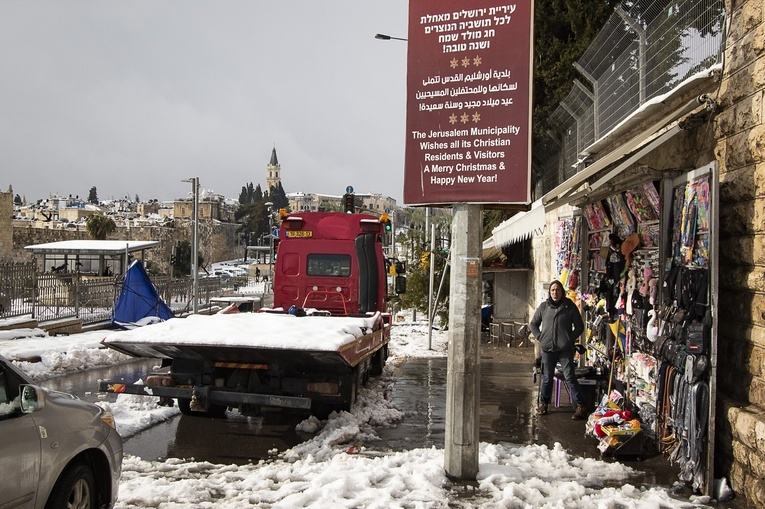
pixel 329 265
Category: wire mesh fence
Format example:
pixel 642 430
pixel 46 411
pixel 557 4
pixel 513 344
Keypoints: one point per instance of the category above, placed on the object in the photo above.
pixel 645 49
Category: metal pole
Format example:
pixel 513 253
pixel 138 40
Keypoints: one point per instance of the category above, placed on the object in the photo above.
pixel 393 237
pixel 427 221
pixel 441 284
pixel 430 291
pixel 195 246
pixel 463 374
pixel 271 249
pixel 269 206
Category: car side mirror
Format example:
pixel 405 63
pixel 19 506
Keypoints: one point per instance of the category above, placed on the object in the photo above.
pixel 400 285
pixel 30 400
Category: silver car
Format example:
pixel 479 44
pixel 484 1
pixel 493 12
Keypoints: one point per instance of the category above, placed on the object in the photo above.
pixel 56 451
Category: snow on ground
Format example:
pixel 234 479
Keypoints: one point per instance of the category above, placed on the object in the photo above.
pixel 332 470
pixel 41 356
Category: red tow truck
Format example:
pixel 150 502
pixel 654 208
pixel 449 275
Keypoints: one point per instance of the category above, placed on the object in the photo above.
pixel 326 334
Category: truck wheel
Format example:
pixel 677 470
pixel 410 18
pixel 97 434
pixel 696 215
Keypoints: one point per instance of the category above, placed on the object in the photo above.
pixel 322 410
pixel 75 488
pixel 378 361
pixel 216 411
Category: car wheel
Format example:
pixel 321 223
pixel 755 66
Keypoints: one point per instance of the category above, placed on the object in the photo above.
pixel 75 489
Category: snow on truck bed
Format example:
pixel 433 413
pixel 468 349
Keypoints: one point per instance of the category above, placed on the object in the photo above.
pixel 260 330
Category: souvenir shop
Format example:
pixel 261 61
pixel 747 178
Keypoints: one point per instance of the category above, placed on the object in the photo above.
pixel 640 263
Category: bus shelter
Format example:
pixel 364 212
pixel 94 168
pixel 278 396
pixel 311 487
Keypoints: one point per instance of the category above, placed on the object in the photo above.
pixel 94 257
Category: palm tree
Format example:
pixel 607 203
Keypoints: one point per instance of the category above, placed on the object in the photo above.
pixel 99 226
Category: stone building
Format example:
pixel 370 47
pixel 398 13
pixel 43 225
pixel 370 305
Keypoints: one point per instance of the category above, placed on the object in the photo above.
pixel 369 203
pixel 219 241
pixel 212 206
pixel 149 208
pixel 738 145
pixel 706 128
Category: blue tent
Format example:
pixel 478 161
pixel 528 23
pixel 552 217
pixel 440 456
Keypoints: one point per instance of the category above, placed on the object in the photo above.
pixel 138 299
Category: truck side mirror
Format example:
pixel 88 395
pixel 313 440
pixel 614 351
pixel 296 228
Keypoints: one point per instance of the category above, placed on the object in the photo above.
pixel 400 285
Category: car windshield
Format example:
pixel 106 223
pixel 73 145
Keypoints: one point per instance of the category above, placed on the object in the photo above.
pixel 7 405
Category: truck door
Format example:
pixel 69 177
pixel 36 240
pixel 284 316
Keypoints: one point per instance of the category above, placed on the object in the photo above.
pixel 369 272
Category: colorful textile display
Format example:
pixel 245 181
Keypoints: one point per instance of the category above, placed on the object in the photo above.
pixel 568 247
pixel 641 205
pixel 621 215
pixel 597 217
pixel 611 424
pixel 649 234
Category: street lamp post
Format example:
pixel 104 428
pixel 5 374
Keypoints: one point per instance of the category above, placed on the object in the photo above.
pixel 195 244
pixel 384 37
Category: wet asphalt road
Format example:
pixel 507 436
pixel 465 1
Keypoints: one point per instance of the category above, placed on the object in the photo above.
pixel 507 414
pixel 237 439
pixel 508 396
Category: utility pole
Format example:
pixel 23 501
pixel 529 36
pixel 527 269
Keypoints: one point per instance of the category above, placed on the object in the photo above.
pixel 195 244
pixel 431 297
pixel 463 376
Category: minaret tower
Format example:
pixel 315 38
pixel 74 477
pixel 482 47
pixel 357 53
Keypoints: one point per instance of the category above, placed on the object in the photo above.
pixel 273 178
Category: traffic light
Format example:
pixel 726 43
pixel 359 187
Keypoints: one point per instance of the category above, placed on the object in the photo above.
pixel 385 220
pixel 276 247
pixel 348 206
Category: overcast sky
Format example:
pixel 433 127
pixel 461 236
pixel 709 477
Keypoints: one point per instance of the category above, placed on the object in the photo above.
pixel 132 97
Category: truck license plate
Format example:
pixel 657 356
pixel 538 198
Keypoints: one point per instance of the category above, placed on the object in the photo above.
pixel 299 233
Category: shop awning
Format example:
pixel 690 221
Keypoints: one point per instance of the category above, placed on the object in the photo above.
pixel 519 227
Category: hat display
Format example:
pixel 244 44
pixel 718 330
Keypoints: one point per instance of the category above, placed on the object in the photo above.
pixel 629 245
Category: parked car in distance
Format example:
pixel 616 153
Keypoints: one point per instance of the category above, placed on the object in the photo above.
pixel 56 451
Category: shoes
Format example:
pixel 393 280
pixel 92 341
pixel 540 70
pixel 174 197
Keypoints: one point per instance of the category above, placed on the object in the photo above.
pixel 580 413
pixel 542 409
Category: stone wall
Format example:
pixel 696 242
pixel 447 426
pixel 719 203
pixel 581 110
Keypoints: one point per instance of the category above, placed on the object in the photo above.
pixel 6 217
pixel 740 151
pixel 217 241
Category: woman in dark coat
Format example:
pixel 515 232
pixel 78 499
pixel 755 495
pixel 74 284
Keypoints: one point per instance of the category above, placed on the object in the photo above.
pixel 557 323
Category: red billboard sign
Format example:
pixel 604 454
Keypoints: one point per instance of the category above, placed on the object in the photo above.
pixel 469 85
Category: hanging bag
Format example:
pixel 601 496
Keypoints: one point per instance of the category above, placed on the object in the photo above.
pixel 696 338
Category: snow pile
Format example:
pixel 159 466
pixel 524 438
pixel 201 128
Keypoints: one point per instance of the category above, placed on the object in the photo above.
pixel 41 356
pixel 326 333
pixel 339 467
pixel 134 413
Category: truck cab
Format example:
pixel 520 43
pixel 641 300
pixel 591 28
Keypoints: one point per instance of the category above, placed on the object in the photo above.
pixel 330 273
pixel 331 261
